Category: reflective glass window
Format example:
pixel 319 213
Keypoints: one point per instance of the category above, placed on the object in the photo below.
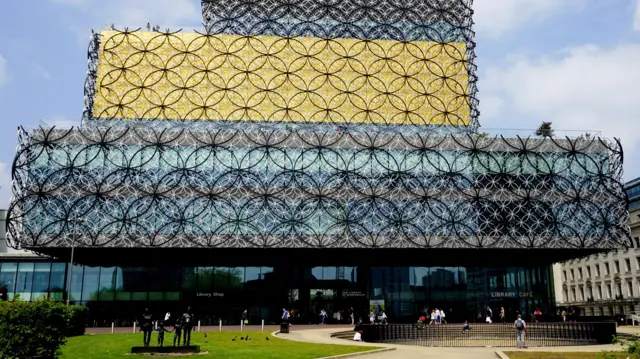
pixel 316 273
pixel 8 273
pixel 436 282
pixel 172 281
pixel 189 279
pixel 90 283
pixel 329 273
pixel 251 274
pixel 41 274
pixel 76 282
pixel 379 277
pixel 108 278
pixel 136 281
pixel 157 283
pixel 24 281
pixel 266 272
pixel 205 279
pixel 221 279
pixel 236 278
pixel 351 274
pixel 57 282
pixel 419 281
pixel 121 293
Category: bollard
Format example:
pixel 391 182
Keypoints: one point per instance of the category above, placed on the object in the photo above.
pixel 111 327
pixel 156 325
pixel 134 327
pixel 220 324
pixel 263 325
pixel 198 326
pixel 241 325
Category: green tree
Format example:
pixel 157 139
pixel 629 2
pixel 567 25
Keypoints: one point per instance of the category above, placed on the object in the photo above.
pixel 545 130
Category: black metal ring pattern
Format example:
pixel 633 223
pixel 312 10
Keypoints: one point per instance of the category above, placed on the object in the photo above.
pixel 145 187
pixel 180 76
pixel 443 23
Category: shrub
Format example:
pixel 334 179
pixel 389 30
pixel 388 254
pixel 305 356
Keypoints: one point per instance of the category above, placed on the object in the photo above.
pixel 76 320
pixel 32 329
pixel 631 348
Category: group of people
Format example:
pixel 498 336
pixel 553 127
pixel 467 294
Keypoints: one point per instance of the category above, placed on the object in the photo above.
pixel 182 327
pixel 437 317
pixel 569 315
pixel 339 316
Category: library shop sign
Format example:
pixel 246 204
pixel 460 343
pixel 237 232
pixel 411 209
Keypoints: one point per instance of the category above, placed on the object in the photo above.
pixel 511 294
pixel 209 295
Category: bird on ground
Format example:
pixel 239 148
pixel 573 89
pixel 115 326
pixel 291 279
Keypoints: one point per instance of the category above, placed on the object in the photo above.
pixel 248 337
pixel 233 340
pixel 241 338
pixel 267 338
pixel 205 335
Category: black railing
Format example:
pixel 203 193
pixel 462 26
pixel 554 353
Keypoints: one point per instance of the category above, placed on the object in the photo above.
pixel 497 335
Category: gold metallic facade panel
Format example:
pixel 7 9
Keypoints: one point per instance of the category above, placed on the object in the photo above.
pixel 190 76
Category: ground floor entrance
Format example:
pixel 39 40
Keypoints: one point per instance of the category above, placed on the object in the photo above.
pixel 120 294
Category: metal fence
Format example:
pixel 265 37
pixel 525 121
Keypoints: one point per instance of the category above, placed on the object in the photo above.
pixel 497 335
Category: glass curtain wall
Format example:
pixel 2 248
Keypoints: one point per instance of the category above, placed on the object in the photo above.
pixel 222 293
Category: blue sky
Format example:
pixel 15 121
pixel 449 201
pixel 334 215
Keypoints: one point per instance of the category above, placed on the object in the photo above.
pixel 575 63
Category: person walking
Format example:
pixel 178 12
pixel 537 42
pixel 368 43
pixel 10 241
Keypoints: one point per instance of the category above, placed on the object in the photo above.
pixel 489 315
pixel 433 317
pixel 244 318
pixel 442 315
pixel 521 329
pixel 502 316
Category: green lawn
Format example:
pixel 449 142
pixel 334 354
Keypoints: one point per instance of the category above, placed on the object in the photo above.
pixel 218 344
pixel 545 355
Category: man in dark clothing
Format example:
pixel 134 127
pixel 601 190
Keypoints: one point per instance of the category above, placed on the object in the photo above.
pixel 187 326
pixel 146 326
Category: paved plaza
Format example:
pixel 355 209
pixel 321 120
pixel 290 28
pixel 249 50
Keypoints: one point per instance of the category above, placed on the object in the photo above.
pixel 315 335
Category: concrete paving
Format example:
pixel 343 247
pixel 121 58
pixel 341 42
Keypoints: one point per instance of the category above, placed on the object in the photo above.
pixel 412 352
pixel 629 329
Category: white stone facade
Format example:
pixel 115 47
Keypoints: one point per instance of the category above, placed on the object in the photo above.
pixel 605 283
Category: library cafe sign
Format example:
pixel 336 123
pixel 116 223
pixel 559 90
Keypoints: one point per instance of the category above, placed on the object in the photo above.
pixel 511 294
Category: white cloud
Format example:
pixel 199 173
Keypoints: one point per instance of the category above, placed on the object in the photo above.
pixel 4 76
pixel 636 16
pixel 588 88
pixel 5 185
pixel 495 17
